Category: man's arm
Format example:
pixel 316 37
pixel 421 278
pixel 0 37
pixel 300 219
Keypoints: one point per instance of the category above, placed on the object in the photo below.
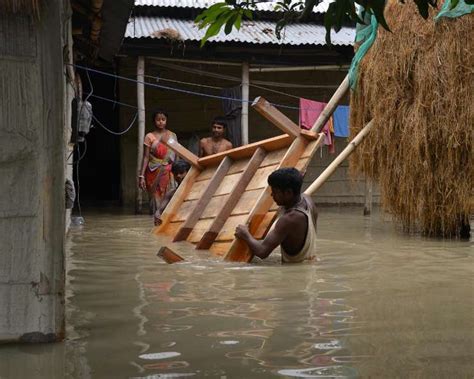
pixel 275 237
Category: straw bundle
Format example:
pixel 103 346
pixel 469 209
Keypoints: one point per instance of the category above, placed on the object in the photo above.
pixel 417 84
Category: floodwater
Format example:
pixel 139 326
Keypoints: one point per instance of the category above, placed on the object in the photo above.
pixel 378 304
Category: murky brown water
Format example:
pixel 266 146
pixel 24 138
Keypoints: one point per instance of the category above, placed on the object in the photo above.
pixel 378 304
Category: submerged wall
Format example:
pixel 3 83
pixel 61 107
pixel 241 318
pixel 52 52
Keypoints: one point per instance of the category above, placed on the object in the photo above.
pixel 32 215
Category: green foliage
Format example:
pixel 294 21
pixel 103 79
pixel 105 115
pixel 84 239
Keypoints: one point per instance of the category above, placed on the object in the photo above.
pixel 230 13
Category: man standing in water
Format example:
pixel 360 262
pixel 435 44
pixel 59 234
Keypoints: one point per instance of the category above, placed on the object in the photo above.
pixel 216 143
pixel 295 229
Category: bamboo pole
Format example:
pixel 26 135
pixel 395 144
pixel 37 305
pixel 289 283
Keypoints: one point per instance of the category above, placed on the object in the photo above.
pixel 141 128
pixel 331 105
pixel 368 196
pixel 245 103
pixel 339 159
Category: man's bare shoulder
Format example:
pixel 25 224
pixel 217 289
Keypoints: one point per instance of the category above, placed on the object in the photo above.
pixel 228 144
pixel 292 218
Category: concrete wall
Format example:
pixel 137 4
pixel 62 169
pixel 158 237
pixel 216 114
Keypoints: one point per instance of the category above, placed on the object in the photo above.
pixel 32 216
pixel 189 114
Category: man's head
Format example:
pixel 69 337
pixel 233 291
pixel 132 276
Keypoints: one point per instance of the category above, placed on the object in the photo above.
pixel 286 185
pixel 218 127
pixel 179 169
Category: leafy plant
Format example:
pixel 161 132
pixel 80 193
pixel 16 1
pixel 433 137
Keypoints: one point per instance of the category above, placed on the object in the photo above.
pixel 231 13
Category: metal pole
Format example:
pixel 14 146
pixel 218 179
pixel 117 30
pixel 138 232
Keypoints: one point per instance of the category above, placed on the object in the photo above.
pixel 141 128
pixel 245 103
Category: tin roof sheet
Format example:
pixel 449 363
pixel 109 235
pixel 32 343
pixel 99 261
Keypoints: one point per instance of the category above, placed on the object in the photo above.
pixel 255 32
pixel 203 4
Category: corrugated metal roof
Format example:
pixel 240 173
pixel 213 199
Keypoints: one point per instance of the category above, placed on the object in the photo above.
pixel 203 4
pixel 256 32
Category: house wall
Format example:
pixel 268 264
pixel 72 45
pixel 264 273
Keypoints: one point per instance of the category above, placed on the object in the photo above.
pixel 190 114
pixel 32 165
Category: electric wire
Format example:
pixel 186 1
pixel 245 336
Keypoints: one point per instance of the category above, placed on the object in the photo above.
pixel 117 133
pixel 180 89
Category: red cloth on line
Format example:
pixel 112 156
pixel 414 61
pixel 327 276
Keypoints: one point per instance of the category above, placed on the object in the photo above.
pixel 309 113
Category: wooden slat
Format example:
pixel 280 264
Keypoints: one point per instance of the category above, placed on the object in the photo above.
pixel 228 230
pixel 197 190
pixel 232 200
pixel 260 179
pixel 204 200
pixel 182 151
pixel 184 210
pixel 239 251
pixel 247 151
pixel 277 118
pixel 177 199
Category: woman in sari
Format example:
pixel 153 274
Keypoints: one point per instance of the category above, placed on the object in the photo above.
pixel 155 175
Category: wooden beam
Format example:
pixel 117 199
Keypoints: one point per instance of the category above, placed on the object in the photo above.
pixel 331 106
pixel 239 251
pixel 247 151
pixel 277 118
pixel 204 200
pixel 169 256
pixel 339 159
pixel 177 199
pixel 234 196
pixel 182 151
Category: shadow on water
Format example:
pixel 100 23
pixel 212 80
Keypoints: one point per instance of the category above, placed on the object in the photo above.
pixel 376 304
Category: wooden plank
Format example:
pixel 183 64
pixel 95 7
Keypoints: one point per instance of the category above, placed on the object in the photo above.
pixel 228 230
pixel 177 199
pixel 184 210
pixel 197 190
pixel 273 157
pixel 247 151
pixel 182 151
pixel 201 227
pixel 239 251
pixel 171 229
pixel 204 200
pixel 214 206
pixel 207 173
pixel 277 118
pixel 169 256
pixel 219 249
pixel 260 178
pixel 234 197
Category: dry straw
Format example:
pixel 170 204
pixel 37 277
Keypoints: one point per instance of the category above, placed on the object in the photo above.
pixel 417 83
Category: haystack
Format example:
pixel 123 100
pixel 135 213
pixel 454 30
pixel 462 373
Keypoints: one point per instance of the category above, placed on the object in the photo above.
pixel 417 84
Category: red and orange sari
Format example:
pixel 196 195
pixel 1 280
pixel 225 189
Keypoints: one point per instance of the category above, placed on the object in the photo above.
pixel 158 177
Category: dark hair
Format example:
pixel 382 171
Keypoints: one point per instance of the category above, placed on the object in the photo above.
pixel 156 112
pixel 286 179
pixel 180 166
pixel 220 121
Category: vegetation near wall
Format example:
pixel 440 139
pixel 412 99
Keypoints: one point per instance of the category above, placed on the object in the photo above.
pixel 417 83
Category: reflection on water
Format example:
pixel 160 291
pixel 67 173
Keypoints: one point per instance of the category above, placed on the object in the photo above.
pixel 377 304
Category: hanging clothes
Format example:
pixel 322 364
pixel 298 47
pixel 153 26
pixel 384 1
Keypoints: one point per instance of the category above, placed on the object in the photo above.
pixel 341 121
pixel 309 113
